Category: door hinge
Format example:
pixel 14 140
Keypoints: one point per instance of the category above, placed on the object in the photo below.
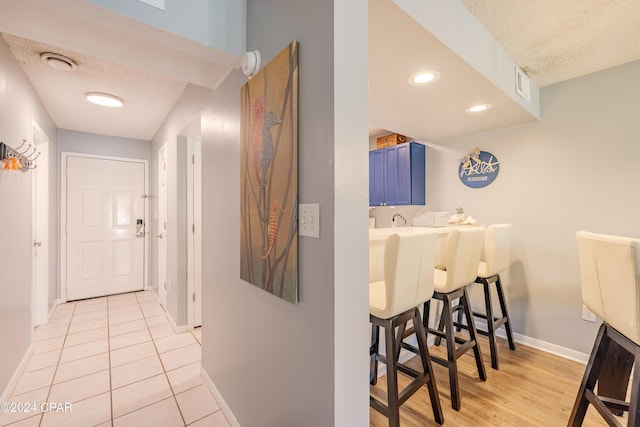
pixel 194 297
pixel 193 228
pixel 193 159
pixel 165 286
pixel 66 171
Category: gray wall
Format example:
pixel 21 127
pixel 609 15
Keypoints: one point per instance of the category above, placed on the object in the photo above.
pixel 102 145
pixel 216 23
pixel 19 105
pixel 573 170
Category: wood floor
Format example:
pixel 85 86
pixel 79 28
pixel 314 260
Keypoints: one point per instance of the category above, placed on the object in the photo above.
pixel 532 388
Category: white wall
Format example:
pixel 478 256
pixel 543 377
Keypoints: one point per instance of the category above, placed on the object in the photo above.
pixel 575 169
pixel 19 105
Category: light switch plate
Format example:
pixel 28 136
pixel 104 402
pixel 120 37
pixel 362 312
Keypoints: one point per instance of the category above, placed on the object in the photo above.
pixel 309 220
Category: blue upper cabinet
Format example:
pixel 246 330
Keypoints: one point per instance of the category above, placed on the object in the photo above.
pixel 397 175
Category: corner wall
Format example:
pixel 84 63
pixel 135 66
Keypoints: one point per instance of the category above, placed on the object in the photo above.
pixel 275 363
pixel 19 105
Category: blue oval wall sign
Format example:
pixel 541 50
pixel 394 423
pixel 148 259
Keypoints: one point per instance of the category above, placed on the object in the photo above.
pixel 478 169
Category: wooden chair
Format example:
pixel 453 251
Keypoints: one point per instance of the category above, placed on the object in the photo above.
pixel 610 275
pixel 408 283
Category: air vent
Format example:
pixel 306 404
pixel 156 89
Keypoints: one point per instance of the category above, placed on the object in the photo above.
pixel 522 84
pixel 57 61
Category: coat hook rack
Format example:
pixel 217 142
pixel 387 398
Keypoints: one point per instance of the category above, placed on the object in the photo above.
pixel 22 158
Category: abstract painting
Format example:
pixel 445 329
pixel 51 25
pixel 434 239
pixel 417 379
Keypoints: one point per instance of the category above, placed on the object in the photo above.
pixel 269 177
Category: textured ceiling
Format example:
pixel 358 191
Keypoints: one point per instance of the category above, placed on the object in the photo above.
pixel 557 40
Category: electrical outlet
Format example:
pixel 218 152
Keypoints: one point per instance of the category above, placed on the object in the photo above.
pixel 587 314
pixel 309 220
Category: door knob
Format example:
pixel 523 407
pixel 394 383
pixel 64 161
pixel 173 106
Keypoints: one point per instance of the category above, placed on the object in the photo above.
pixel 159 236
pixel 37 244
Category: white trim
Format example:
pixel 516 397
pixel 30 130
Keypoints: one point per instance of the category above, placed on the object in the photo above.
pixel 548 347
pixel 39 297
pixel 63 215
pixel 545 346
pixel 177 329
pixel 233 422
pixel 16 375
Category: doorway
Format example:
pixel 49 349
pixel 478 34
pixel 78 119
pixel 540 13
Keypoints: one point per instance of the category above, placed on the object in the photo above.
pixel 103 225
pixel 162 226
pixel 194 234
pixel 40 228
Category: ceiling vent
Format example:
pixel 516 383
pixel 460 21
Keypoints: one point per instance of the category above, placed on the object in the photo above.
pixel 59 62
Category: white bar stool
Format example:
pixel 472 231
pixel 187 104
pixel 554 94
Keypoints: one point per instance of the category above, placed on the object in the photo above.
pixel 610 274
pixel 497 244
pixel 408 283
pixel 462 258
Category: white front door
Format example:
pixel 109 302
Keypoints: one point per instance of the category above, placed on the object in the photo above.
pixel 105 251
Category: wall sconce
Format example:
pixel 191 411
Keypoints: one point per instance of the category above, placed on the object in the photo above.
pixel 250 63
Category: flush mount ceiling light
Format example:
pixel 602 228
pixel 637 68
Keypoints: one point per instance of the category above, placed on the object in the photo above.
pixel 104 99
pixel 478 108
pixel 57 61
pixel 424 78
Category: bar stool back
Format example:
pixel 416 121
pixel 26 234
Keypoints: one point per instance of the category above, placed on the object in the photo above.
pixel 408 273
pixel 610 274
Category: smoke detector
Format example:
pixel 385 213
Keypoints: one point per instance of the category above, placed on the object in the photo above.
pixel 250 63
pixel 57 61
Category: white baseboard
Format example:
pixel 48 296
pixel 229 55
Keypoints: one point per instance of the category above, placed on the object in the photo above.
pixel 16 375
pixel 547 347
pixel 233 422
pixel 177 329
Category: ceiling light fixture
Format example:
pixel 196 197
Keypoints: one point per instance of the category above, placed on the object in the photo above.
pixel 104 99
pixel 478 108
pixel 424 78
pixel 59 62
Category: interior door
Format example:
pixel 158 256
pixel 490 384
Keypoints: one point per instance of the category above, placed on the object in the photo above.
pixel 105 227
pixel 40 208
pixel 194 236
pixel 162 226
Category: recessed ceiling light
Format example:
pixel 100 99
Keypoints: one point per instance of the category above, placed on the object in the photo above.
pixel 424 78
pixel 478 108
pixel 104 99
pixel 57 61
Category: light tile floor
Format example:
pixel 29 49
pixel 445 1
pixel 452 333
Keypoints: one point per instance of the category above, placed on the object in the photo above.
pixel 119 363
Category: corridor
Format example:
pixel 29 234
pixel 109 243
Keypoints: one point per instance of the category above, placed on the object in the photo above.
pixel 112 361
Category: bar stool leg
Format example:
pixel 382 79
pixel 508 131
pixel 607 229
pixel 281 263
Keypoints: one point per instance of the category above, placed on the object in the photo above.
pixel 505 313
pixel 373 353
pixel 594 366
pixel 392 375
pixel 634 403
pixel 473 336
pixel 491 330
pixel 427 366
pixel 449 330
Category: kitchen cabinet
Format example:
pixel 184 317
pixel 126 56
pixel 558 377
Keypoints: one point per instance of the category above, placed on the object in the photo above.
pixel 397 175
